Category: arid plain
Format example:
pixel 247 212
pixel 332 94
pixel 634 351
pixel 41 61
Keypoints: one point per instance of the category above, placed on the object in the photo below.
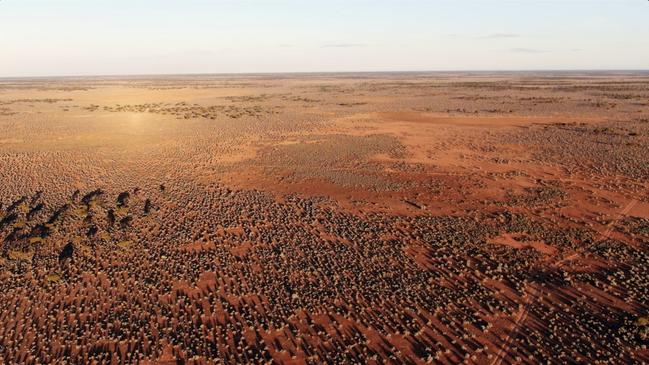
pixel 325 218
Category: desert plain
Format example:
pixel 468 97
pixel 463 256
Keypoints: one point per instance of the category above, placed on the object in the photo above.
pixel 479 218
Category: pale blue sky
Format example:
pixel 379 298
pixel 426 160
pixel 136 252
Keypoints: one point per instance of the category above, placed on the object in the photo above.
pixel 90 37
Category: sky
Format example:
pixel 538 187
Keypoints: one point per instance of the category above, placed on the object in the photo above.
pixel 120 37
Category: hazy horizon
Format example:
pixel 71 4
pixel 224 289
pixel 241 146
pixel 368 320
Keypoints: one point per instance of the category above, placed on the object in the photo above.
pixel 76 38
pixel 333 73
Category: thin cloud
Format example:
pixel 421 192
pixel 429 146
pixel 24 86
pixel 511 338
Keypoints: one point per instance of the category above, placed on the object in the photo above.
pixel 500 36
pixel 344 45
pixel 527 50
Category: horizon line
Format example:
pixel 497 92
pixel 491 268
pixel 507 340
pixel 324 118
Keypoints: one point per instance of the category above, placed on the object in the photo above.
pixel 314 73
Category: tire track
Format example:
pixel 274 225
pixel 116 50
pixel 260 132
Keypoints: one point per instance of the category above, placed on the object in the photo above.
pixel 533 298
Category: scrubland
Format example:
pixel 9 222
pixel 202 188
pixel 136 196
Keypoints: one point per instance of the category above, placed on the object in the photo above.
pixel 350 218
